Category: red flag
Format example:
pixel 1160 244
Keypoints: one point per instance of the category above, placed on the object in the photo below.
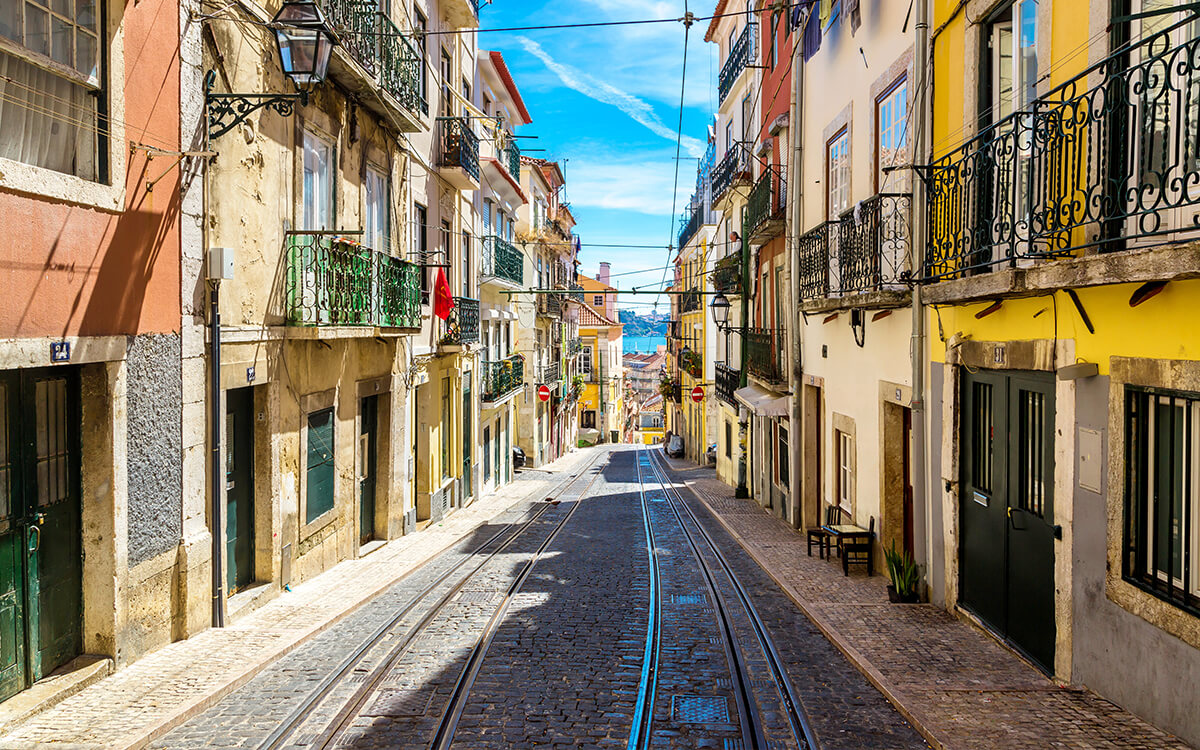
pixel 443 301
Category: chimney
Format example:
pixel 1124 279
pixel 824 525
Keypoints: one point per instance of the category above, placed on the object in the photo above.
pixel 603 276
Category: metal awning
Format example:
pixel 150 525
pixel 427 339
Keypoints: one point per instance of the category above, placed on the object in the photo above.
pixel 762 402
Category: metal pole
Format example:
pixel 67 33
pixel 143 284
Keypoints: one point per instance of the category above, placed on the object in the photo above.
pixel 743 490
pixel 921 504
pixel 214 400
pixel 795 434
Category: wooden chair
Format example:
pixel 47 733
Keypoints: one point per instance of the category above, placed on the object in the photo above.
pixel 819 535
pixel 859 548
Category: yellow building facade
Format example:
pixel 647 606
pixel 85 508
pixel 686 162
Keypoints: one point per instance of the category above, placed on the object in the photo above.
pixel 1064 370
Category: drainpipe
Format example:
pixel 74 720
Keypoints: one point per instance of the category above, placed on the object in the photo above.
pixel 743 488
pixel 214 411
pixel 921 509
pixel 796 384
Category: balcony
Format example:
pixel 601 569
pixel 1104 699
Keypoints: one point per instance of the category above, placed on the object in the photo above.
pixel 764 354
pixel 502 379
pixel 732 171
pixel 335 281
pixel 727 274
pixel 767 205
pixel 461 14
pixel 502 262
pixel 549 306
pixel 576 292
pixel 727 381
pixel 574 347
pixel 510 157
pixel 740 57
pixel 691 226
pixel 462 327
pixel 550 373
pixel 868 250
pixel 374 56
pixel 458 153
pixel 689 302
pixel 1099 169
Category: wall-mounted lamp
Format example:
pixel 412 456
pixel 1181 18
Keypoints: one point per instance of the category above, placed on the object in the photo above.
pixel 305 41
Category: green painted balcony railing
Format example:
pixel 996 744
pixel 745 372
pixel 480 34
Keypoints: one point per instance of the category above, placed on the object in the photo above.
pixel 462 327
pixel 335 281
pixel 768 199
pixel 727 274
pixel 503 378
pixel 511 158
pixel 740 56
pixel 727 381
pixel 764 354
pixel 376 44
pixel 502 260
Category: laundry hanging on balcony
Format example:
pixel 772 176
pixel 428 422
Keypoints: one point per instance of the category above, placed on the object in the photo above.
pixel 812 34
pixel 854 11
pixel 443 300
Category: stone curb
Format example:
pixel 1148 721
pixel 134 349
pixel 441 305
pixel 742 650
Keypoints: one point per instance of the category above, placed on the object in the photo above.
pixel 187 710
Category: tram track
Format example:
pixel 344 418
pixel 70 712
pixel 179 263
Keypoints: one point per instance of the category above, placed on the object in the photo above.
pixel 734 612
pixel 289 733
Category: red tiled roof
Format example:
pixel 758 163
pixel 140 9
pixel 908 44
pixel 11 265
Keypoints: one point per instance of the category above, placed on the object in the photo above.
pixel 589 317
pixel 506 77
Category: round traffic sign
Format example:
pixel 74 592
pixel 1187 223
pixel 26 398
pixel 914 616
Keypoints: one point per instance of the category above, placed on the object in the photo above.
pixel 698 394
pixel 544 393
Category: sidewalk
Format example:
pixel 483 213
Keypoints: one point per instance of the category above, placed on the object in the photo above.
pixel 164 689
pixel 957 686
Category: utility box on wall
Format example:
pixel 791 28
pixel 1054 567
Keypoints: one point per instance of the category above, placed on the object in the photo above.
pixel 220 263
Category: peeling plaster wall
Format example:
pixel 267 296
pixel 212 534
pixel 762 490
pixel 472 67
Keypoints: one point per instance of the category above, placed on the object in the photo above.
pixel 153 445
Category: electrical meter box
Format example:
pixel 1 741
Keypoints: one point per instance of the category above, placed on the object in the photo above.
pixel 220 263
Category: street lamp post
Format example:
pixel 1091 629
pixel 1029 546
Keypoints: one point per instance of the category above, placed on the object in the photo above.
pixel 719 307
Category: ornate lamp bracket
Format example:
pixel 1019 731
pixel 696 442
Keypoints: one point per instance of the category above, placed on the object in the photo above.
pixel 227 111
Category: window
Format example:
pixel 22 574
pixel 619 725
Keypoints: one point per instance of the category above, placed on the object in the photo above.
pixel 447 87
pixel 728 136
pixel 598 300
pixel 837 161
pixel 747 119
pixel 466 264
pixel 421 246
pixel 588 420
pixel 466 92
pixel 375 211
pixel 728 439
pixel 1012 45
pixel 487 453
pixel 53 119
pixel 781 457
pixel 891 138
pixel 422 26
pixel 317 211
pixel 774 39
pixel 319 475
pixel 845 470
pixel 586 360
pixel 1162 503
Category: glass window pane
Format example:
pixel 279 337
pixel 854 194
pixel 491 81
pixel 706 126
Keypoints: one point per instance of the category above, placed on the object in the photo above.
pixel 10 21
pixel 86 60
pixel 85 15
pixel 320 466
pixel 37 30
pixel 62 45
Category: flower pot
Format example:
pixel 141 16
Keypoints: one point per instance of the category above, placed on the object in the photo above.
pixel 895 598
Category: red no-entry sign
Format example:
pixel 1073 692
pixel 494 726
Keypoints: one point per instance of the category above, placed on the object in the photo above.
pixel 698 394
pixel 544 393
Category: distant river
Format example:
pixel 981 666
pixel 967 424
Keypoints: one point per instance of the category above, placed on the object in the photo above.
pixel 643 343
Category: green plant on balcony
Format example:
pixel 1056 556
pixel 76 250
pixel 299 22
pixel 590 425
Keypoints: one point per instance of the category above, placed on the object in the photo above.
pixel 577 386
pixel 666 386
pixel 692 363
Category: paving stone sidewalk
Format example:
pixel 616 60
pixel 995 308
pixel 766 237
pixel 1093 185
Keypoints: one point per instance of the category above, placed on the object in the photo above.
pixel 958 687
pixel 164 689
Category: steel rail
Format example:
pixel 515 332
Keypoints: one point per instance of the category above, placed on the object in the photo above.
pixel 444 736
pixel 643 715
pixel 288 728
pixel 801 727
pixel 750 723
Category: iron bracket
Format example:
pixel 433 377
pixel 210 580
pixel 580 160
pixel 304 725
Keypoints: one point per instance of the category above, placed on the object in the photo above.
pixel 227 111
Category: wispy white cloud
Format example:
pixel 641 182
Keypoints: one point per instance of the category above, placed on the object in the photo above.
pixel 637 109
pixel 641 187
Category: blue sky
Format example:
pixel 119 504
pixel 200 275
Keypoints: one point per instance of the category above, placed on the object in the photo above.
pixel 606 101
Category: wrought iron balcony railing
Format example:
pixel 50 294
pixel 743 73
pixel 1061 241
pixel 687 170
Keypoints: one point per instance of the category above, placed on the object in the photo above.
pixel 335 281
pixel 550 373
pixel 689 302
pixel 503 378
pixel 462 327
pixel 574 347
pixel 740 56
pixel 866 250
pixel 501 260
pixel 510 157
pixel 764 354
pixel 694 220
pixel 768 200
pixel 677 393
pixel 1079 168
pixel 727 274
pixel 576 292
pixel 380 48
pixel 727 381
pixel 458 146
pixel 732 170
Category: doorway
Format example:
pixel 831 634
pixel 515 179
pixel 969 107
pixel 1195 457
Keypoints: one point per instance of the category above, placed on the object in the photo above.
pixel 368 466
pixel 813 469
pixel 239 489
pixel 1007 508
pixel 41 592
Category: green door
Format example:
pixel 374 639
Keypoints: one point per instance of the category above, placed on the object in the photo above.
pixel 239 488
pixel 40 545
pixel 468 438
pixel 1007 508
pixel 367 463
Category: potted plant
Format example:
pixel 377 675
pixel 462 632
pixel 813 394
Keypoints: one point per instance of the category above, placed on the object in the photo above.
pixel 905 575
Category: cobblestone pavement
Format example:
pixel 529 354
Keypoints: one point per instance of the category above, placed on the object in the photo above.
pixel 153 695
pixel 959 686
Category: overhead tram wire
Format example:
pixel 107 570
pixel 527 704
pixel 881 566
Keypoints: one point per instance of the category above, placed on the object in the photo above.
pixel 687 30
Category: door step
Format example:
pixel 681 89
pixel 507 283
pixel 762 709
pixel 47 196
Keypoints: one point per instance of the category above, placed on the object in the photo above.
pixel 53 689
